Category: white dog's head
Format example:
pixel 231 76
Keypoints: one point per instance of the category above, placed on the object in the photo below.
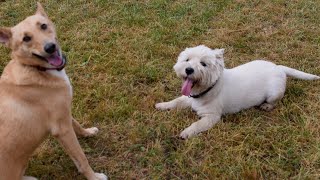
pixel 199 67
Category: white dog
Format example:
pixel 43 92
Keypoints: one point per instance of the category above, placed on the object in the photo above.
pixel 212 90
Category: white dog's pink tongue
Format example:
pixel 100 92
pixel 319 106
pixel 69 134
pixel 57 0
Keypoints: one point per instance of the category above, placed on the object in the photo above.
pixel 55 60
pixel 186 87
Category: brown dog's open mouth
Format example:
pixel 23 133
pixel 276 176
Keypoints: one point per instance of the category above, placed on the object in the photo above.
pixel 55 59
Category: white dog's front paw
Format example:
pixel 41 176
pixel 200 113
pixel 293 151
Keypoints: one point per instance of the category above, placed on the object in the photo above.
pixel 188 132
pixel 101 176
pixel 162 106
pixel 91 131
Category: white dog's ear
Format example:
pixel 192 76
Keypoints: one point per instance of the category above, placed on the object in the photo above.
pixel 40 10
pixel 5 36
pixel 219 53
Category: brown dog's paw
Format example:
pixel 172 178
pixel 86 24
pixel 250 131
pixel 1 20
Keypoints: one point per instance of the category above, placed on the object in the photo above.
pixel 29 178
pixel 91 131
pixel 101 176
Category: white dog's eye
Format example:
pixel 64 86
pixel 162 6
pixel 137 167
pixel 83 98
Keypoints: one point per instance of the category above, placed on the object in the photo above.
pixel 187 60
pixel 203 64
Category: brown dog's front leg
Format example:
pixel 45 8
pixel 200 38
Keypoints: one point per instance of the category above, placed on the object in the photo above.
pixel 80 131
pixel 69 141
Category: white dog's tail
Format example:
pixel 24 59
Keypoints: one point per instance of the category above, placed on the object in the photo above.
pixel 298 74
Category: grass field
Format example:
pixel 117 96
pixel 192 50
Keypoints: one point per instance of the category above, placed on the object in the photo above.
pixel 121 55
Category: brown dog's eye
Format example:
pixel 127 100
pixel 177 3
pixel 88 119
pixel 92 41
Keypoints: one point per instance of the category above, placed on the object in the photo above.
pixel 44 26
pixel 26 38
pixel 203 64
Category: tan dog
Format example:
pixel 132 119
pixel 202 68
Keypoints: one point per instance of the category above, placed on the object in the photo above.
pixel 35 99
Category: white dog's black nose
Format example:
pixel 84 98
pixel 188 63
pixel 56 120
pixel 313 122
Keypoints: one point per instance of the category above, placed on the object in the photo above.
pixel 189 70
pixel 50 48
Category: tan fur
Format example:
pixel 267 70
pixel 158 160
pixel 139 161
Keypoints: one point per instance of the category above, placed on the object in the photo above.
pixel 33 103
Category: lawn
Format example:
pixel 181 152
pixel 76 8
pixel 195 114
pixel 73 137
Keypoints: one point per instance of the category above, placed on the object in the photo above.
pixel 121 55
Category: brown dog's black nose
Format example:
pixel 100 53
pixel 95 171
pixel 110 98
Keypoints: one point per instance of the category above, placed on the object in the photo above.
pixel 189 70
pixel 50 48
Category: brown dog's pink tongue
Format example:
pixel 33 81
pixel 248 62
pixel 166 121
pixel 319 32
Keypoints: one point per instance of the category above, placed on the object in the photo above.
pixel 186 87
pixel 55 60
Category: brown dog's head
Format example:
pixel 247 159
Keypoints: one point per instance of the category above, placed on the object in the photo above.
pixel 33 41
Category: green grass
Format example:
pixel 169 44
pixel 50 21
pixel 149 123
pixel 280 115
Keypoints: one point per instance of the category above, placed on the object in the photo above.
pixel 121 55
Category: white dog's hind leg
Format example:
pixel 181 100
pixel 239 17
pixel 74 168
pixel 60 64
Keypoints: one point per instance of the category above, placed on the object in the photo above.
pixel 271 101
pixel 275 93
pixel 180 103
pixel 205 123
pixel 267 106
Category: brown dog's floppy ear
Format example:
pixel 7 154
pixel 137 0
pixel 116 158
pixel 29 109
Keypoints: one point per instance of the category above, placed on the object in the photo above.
pixel 5 36
pixel 40 10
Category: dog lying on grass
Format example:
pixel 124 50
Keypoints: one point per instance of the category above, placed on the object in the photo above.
pixel 35 99
pixel 212 90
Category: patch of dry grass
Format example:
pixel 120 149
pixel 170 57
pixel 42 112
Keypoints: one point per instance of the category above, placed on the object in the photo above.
pixel 121 55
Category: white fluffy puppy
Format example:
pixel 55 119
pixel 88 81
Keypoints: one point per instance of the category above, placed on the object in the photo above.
pixel 211 90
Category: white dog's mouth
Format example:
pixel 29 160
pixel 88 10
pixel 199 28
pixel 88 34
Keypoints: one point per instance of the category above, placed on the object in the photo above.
pixel 187 86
